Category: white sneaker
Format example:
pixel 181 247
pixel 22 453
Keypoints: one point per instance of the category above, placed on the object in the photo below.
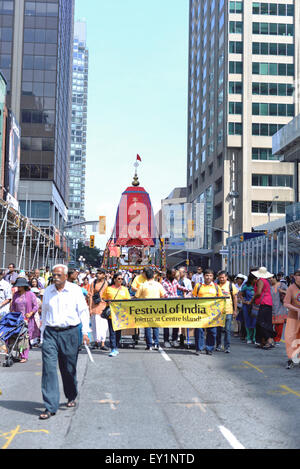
pixel 167 345
pixel 249 342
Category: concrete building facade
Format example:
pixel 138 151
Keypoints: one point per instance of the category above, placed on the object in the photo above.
pixel 243 68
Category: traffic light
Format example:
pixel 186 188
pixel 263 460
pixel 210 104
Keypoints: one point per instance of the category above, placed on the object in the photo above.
pixel 92 242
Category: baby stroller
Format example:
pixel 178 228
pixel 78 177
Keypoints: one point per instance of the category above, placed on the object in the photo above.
pixel 13 337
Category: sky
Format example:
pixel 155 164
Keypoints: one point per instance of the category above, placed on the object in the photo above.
pixel 137 100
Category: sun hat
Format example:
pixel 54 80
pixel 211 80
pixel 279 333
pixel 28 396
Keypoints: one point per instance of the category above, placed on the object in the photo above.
pixel 262 272
pixel 21 282
pixel 242 276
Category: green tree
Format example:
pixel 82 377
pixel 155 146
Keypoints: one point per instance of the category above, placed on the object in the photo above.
pixel 93 256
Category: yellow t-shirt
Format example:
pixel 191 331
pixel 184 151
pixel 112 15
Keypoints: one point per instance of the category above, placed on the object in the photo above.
pixel 226 292
pixel 138 281
pixel 112 293
pixel 208 291
pixel 151 289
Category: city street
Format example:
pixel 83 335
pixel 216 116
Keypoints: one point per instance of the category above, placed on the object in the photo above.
pixel 159 400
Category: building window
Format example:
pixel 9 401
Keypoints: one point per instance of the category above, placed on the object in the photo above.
pixel 218 210
pixel 235 108
pixel 265 130
pixel 235 7
pixel 272 180
pixel 259 68
pixel 259 206
pixel 236 47
pixel 264 154
pixel 235 128
pixel 235 67
pixel 271 48
pixel 272 109
pixel 272 89
pixel 235 87
pixel 35 209
pixel 275 9
pixel 219 185
pixel 275 29
pixel 236 27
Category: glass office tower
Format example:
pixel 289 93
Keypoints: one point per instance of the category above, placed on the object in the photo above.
pixel 36 59
pixel 78 134
pixel 243 66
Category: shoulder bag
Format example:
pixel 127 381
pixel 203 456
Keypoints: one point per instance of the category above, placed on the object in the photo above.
pixel 254 308
pixel 106 313
pixel 96 296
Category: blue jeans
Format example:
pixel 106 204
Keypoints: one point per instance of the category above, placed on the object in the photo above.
pixel 211 333
pixel 199 339
pixel 114 336
pixel 149 341
pixel 227 332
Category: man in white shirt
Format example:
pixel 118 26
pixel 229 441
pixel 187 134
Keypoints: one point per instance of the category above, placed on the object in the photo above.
pixel 81 276
pixel 92 277
pixel 64 309
pixel 184 279
pixel 198 277
pixel 5 295
pixel 40 279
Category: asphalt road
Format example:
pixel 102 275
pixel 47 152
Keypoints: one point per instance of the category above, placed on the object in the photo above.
pixel 157 400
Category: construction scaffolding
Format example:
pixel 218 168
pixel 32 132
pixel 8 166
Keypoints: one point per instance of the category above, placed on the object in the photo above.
pixel 26 245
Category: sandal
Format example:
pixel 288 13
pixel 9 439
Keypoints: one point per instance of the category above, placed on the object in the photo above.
pixel 46 415
pixel 268 346
pixel 71 404
pixel 24 360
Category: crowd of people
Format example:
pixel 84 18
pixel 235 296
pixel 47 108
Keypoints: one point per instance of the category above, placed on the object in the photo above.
pixel 257 306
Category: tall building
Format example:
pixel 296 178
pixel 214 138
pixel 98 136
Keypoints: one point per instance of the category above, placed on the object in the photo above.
pixel 78 134
pixel 243 65
pixel 36 59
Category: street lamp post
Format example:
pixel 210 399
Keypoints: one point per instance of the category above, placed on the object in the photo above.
pixel 270 207
pixel 82 261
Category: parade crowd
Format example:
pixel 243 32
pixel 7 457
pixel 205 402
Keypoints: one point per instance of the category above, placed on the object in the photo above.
pixel 257 306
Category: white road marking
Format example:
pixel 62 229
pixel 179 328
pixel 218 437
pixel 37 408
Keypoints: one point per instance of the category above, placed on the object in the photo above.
pixel 230 438
pixel 163 353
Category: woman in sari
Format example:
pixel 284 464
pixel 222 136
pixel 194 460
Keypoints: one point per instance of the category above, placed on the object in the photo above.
pixel 24 301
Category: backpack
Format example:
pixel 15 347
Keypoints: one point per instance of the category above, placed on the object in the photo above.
pixel 230 289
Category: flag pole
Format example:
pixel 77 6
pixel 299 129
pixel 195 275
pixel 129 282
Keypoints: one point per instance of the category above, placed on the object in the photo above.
pixel 136 181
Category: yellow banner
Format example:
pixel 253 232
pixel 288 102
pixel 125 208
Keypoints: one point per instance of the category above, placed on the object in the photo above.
pixel 177 312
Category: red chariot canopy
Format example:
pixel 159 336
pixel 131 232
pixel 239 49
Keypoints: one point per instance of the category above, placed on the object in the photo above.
pixel 135 224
